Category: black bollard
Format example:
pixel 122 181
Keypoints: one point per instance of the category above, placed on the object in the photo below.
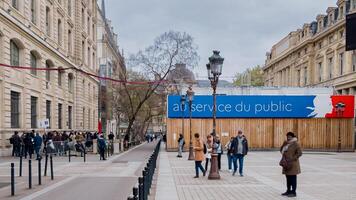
pixel 29 173
pixel 46 165
pixel 20 169
pixel 85 153
pixel 69 155
pixel 135 193
pixel 140 188
pixel 144 186
pixel 12 179
pixel 51 163
pixel 39 171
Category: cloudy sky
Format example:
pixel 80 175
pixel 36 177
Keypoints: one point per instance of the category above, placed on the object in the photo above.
pixel 243 30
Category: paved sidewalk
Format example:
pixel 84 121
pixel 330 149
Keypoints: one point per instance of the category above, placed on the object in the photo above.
pixel 93 180
pixel 325 176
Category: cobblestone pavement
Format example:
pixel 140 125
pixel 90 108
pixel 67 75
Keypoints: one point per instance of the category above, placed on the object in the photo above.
pixel 325 176
pixel 111 179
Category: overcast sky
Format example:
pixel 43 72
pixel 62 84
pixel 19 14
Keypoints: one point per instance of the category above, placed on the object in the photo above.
pixel 243 30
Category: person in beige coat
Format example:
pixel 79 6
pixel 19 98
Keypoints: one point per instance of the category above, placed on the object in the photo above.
pixel 291 152
pixel 199 155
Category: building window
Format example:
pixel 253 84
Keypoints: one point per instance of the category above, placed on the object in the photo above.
pixel 15 109
pixel 33 11
pixel 48 112
pixel 70 83
pixel 69 7
pixel 70 117
pixel 354 61
pixel 83 52
pixel 60 77
pixel 14 54
pixel 94 61
pixel 83 18
pixel 59 116
pixel 88 25
pixel 89 118
pixel 88 61
pixel 331 39
pixel 320 66
pixel 331 68
pixel 305 76
pixel 83 117
pixel 33 61
pixel 93 31
pixel 341 11
pixel 15 4
pixel 48 72
pixel 298 78
pixel 33 112
pixel 341 34
pixel 341 63
pixel 69 42
pixel 48 19
pixel 59 36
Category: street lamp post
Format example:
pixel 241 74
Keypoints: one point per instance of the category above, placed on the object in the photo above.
pixel 182 103
pixel 340 108
pixel 214 71
pixel 190 96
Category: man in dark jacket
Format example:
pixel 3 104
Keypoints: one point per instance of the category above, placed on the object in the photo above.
pixel 102 147
pixel 239 149
pixel 15 140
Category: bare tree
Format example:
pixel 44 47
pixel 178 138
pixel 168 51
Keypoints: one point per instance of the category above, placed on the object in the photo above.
pixel 154 64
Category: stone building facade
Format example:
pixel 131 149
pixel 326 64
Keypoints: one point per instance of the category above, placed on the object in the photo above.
pixel 315 54
pixel 47 34
pixel 111 64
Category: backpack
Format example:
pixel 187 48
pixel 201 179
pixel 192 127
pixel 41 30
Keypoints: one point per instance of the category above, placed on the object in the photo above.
pixel 205 149
pixel 11 140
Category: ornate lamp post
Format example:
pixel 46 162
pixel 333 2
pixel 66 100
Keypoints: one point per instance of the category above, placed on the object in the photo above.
pixel 182 103
pixel 190 96
pixel 214 71
pixel 340 108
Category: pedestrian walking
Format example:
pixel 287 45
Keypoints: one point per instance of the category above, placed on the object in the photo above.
pixel 181 144
pixel 209 149
pixel 291 152
pixel 102 147
pixel 198 155
pixel 229 153
pixel 15 140
pixel 239 148
pixel 37 144
pixel 219 151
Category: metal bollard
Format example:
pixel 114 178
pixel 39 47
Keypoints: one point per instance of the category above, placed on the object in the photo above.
pixel 51 163
pixel 12 179
pixel 85 155
pixel 29 173
pixel 144 186
pixel 135 193
pixel 69 155
pixel 140 188
pixel 39 171
pixel 20 169
pixel 46 165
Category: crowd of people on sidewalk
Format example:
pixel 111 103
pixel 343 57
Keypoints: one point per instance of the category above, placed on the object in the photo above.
pixel 54 142
pixel 236 150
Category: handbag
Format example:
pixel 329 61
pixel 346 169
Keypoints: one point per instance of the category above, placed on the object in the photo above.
pixel 285 163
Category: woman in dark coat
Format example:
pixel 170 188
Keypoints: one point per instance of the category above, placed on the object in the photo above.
pixel 291 151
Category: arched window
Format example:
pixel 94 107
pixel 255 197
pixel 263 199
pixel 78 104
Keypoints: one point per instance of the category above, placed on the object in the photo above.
pixel 60 76
pixel 48 19
pixel 15 4
pixel 33 60
pixel 59 32
pixel 14 54
pixel 33 11
pixel 49 64
pixel 70 83
pixel 69 7
pixel 69 42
